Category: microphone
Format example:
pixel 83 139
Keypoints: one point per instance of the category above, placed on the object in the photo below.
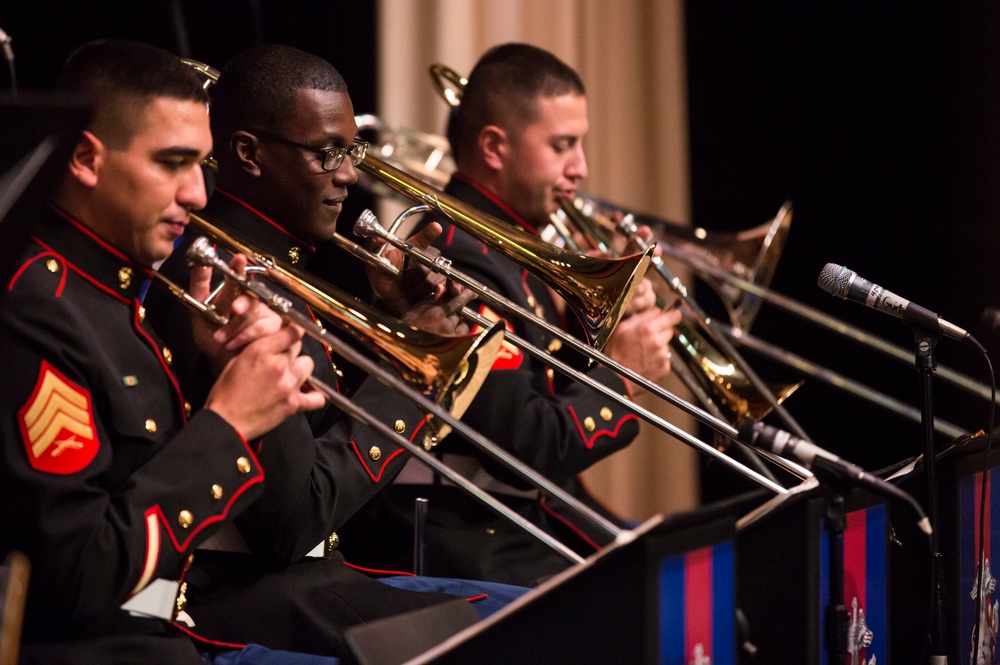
pixel 811 456
pixel 845 283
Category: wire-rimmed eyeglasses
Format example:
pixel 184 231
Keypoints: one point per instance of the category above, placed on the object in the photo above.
pixel 330 158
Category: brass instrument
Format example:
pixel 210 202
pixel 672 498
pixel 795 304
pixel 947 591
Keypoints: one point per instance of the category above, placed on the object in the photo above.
pixel 451 374
pixel 203 252
pixel 713 376
pixel 751 255
pixel 367 226
pixel 597 290
pixel 448 369
pixel 717 378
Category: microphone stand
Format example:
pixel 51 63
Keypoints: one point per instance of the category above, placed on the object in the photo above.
pixel 925 364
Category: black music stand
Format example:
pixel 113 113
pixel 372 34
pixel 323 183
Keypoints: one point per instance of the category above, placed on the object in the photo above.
pixel 608 609
pixel 36 138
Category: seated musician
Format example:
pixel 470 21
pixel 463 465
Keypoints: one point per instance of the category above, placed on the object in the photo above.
pixel 108 480
pixel 284 127
pixel 517 139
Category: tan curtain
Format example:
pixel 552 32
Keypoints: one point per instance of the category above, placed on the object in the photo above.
pixel 630 54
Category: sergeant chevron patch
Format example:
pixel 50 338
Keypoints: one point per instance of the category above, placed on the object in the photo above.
pixel 57 424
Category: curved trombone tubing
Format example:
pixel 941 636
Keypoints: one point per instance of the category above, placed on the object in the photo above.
pixel 367 225
pixel 694 310
pixel 362 415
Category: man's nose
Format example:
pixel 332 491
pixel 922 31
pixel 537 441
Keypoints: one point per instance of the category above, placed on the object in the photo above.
pixel 192 194
pixel 576 168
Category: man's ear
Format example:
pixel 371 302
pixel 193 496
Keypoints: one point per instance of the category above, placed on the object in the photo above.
pixel 86 159
pixel 493 146
pixel 245 150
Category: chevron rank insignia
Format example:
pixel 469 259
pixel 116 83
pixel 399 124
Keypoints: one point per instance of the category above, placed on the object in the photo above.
pixel 57 424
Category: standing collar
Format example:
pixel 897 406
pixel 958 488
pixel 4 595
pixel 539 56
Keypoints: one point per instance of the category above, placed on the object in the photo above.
pixel 242 220
pixel 91 255
pixel 506 213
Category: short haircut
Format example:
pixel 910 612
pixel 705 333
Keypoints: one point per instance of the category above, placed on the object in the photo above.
pixel 259 87
pixel 118 78
pixel 503 90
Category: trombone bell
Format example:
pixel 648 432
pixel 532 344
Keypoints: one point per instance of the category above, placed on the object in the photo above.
pixel 597 290
pixel 449 370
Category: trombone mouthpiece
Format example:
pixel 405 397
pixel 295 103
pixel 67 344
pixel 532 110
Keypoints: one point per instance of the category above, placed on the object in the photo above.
pixel 201 252
pixel 367 224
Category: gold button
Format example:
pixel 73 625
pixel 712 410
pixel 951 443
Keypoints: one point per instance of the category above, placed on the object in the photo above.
pixel 187 408
pixel 333 541
pixel 294 253
pixel 124 277
pixel 142 314
pixel 606 413
pixel 185 518
pixel 555 345
pixel 216 492
pixel 531 301
pixel 168 356
pixel 375 453
pixel 400 426
pixel 243 464
pixel 150 425
pixel 588 424
pixel 52 265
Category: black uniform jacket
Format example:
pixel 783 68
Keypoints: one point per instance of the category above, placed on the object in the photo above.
pixel 322 467
pixel 107 482
pixel 556 425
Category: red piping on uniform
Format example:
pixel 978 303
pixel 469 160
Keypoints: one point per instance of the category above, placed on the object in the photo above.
pixel 572 527
pixel 374 477
pixel 503 206
pixel 62 277
pixel 376 571
pixel 84 275
pixel 100 241
pixel 180 547
pixel 604 432
pixel 267 219
pixel 163 363
pixel 184 629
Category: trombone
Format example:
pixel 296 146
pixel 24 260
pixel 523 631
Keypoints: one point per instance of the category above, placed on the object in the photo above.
pixel 721 380
pixel 203 252
pixel 612 281
pixel 368 226
pixel 737 266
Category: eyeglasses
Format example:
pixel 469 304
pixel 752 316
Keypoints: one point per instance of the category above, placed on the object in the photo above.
pixel 330 159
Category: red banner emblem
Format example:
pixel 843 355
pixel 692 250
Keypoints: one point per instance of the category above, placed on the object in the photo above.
pixel 509 356
pixel 57 424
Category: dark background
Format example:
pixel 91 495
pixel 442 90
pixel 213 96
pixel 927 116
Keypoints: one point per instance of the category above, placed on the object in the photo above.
pixel 878 123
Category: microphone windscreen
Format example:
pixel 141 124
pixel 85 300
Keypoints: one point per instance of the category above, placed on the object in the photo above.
pixel 829 282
